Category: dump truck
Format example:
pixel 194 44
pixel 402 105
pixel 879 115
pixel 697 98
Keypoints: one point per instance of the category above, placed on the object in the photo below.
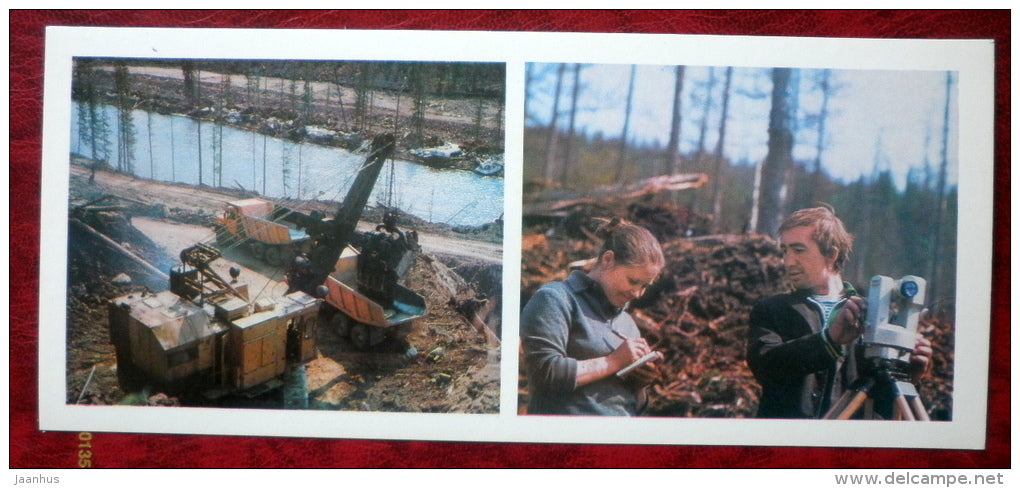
pixel 269 232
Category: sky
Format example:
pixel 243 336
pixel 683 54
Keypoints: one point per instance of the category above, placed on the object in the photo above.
pixel 894 117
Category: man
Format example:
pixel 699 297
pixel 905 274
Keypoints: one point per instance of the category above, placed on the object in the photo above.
pixel 801 345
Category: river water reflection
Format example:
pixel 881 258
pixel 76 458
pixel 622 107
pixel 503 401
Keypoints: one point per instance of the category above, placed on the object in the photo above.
pixel 167 149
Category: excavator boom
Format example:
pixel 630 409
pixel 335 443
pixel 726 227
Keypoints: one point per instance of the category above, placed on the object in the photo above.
pixel 330 243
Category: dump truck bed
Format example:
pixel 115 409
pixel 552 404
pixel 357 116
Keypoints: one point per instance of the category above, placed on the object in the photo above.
pixel 405 306
pixel 254 217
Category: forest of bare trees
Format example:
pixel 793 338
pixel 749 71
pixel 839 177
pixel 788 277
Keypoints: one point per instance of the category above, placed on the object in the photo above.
pixel 904 220
pixel 352 97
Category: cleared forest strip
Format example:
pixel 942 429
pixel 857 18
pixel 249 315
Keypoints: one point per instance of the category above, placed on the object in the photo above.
pixel 441 109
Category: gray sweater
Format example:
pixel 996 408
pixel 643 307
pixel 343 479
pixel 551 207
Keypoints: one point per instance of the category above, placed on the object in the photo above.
pixel 563 323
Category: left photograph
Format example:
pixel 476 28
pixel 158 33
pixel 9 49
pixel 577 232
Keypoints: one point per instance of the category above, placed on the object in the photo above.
pixel 312 235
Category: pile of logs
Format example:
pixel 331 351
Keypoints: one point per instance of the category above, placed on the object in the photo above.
pixel 697 317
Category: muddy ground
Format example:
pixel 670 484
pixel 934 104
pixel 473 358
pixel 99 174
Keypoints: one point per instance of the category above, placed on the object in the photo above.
pixel 454 366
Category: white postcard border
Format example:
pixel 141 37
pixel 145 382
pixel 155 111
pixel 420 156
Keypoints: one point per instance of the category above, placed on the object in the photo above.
pixel 973 60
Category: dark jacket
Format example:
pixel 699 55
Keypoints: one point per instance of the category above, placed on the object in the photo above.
pixel 801 373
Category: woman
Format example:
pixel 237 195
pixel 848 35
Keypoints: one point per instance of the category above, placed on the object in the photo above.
pixel 576 334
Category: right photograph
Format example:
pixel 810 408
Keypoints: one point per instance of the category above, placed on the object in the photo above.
pixel 738 242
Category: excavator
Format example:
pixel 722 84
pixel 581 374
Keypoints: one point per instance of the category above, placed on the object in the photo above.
pixel 208 328
pixel 357 273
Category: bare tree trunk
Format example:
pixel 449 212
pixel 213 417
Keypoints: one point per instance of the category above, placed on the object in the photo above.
pixel 568 152
pixel 717 173
pixel 125 120
pixel 217 150
pixel 696 197
pixel 940 209
pixel 340 96
pixel 190 82
pixel 198 88
pixel 199 151
pixel 755 217
pixel 418 82
pixel 254 163
pixel 361 97
pixel 775 174
pixel 221 103
pixel 816 175
pixel 706 109
pixel 672 161
pixel 173 156
pixel 499 117
pixel 551 146
pixel 479 117
pixel 148 131
pixel 396 111
pixel 626 126
pixel 371 103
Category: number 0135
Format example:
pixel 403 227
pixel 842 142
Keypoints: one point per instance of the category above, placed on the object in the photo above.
pixel 85 450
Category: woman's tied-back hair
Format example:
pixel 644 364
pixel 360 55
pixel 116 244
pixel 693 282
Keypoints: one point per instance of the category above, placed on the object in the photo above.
pixel 829 232
pixel 632 245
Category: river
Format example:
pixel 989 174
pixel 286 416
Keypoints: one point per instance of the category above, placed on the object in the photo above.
pixel 167 148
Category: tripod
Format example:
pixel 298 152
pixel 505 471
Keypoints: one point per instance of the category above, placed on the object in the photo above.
pixel 884 390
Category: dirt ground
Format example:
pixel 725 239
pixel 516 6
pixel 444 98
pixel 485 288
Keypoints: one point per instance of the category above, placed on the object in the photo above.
pixel 453 366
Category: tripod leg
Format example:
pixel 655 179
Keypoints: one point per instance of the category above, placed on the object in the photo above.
pixel 854 404
pixel 919 410
pixel 851 400
pixel 840 405
pixel 903 408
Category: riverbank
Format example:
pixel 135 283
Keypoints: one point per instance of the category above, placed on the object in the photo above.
pixel 229 100
pixel 196 204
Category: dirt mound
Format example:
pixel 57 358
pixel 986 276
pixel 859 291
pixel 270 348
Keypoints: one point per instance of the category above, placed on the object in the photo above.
pixel 456 365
